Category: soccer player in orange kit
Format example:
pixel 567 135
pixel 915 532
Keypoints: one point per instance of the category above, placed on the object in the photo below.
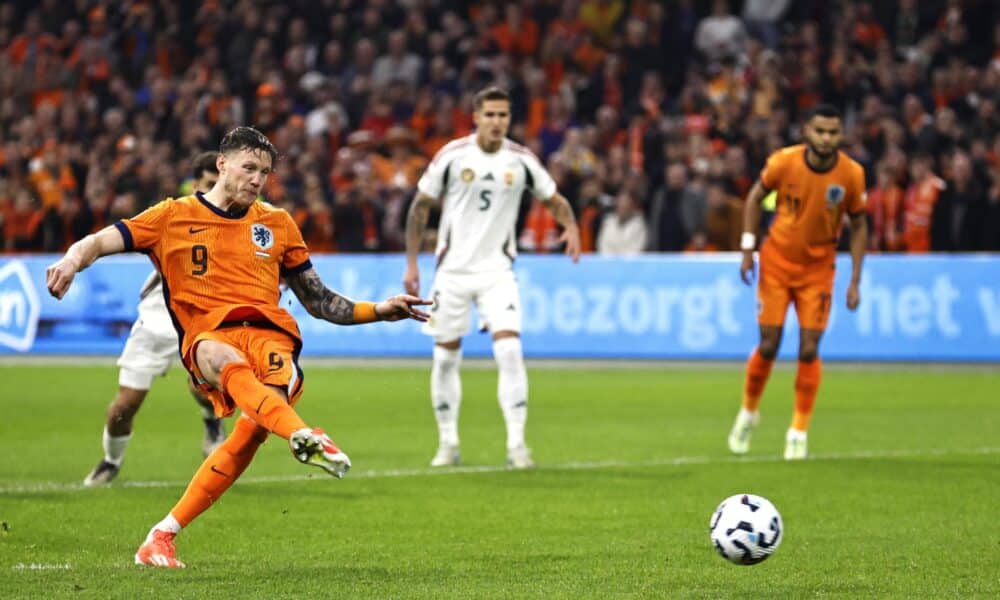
pixel 816 184
pixel 220 255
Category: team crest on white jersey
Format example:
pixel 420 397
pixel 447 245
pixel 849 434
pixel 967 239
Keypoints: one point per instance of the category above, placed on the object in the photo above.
pixel 261 236
pixel 508 178
pixel 467 175
pixel 834 194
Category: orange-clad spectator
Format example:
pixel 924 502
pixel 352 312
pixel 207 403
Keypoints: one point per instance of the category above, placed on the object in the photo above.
pixel 25 49
pixel 22 224
pixel 219 106
pixel 588 55
pixel 589 216
pixel 537 102
pixel 378 116
pixel 885 206
pixel 517 34
pixel 724 218
pixel 541 230
pixel 867 31
pixel 568 25
pixel 50 177
pixel 403 166
pixel 423 111
pixel 317 226
pixel 919 201
pixel 609 130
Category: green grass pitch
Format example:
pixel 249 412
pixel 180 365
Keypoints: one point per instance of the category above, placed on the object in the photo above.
pixel 900 499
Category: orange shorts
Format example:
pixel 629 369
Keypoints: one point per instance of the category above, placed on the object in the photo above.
pixel 809 286
pixel 270 352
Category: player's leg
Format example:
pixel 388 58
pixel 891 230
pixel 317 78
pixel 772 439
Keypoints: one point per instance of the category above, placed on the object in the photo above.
pixel 512 393
pixel 117 433
pixel 773 297
pixel 446 397
pixel 807 379
pixel 219 471
pixel 812 304
pixel 215 430
pixel 264 381
pixel 145 356
pixel 500 307
pixel 228 369
pixel 448 323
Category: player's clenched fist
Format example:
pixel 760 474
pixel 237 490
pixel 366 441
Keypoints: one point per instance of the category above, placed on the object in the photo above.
pixel 59 276
pixel 401 307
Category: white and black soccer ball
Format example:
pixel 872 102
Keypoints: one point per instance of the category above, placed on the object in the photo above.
pixel 746 529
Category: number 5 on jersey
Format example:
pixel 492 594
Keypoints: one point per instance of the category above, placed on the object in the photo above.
pixel 484 199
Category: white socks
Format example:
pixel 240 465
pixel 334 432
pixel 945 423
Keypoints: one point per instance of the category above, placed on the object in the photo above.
pixel 169 523
pixel 747 417
pixel 512 387
pixel 114 447
pixel 446 393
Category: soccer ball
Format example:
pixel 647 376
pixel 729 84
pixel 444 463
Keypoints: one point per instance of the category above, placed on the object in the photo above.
pixel 746 529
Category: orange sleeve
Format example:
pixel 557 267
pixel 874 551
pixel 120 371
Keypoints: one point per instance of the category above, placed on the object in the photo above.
pixel 858 199
pixel 296 256
pixel 143 231
pixel 771 174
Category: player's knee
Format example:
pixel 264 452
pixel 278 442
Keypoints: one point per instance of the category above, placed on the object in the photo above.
pixel 808 353
pixel 768 349
pixel 212 358
pixel 127 402
pixel 447 359
pixel 508 353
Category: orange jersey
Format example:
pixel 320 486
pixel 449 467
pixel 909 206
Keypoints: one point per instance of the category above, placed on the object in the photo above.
pixel 219 267
pixel 811 204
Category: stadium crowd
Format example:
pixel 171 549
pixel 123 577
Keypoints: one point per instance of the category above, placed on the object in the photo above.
pixel 654 117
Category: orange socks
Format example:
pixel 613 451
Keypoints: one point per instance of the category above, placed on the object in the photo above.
pixel 258 401
pixel 220 470
pixel 758 370
pixel 806 385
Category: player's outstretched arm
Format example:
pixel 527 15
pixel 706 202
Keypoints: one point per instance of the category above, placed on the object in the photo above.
pixel 59 276
pixel 416 226
pixel 859 241
pixel 751 224
pixel 323 303
pixel 559 206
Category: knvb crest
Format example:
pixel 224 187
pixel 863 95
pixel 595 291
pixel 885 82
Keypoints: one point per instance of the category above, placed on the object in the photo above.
pixel 834 195
pixel 19 307
pixel 262 236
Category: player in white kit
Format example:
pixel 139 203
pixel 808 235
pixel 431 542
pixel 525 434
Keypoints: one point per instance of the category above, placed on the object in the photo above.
pixel 480 180
pixel 149 351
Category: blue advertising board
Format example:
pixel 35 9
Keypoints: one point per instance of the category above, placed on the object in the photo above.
pixel 920 308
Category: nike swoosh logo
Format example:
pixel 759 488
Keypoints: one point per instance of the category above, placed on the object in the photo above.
pixel 221 473
pixel 197 230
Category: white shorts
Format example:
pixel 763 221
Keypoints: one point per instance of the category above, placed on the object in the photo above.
pixel 496 297
pixel 149 350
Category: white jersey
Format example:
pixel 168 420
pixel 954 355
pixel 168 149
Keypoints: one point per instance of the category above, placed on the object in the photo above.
pixel 481 195
pixel 153 308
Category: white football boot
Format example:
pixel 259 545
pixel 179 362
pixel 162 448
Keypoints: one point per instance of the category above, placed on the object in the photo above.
pixel 739 436
pixel 447 456
pixel 313 447
pixel 519 458
pixel 795 445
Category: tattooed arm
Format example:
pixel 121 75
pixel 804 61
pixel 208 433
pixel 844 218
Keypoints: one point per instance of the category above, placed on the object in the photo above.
pixel 324 303
pixel 416 226
pixel 559 206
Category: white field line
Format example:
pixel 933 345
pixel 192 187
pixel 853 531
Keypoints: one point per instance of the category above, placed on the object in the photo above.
pixel 586 364
pixel 678 461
